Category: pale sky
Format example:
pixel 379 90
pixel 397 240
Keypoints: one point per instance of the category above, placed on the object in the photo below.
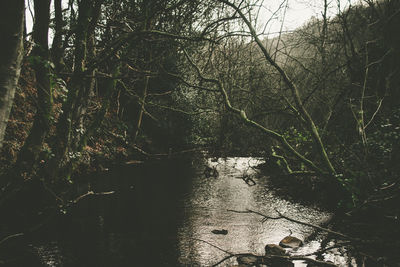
pixel 297 12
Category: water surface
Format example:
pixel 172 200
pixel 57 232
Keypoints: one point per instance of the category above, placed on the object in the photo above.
pixel 163 214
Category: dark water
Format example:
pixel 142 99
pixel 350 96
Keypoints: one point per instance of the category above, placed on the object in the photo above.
pixel 162 213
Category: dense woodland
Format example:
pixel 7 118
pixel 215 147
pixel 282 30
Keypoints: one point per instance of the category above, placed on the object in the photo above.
pixel 136 80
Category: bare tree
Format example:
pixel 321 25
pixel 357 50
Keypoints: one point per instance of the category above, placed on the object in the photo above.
pixel 245 13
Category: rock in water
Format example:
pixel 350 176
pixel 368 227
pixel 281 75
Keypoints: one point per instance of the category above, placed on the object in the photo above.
pixel 247 260
pixel 275 250
pixel 220 232
pixel 272 249
pixel 211 172
pixel 290 242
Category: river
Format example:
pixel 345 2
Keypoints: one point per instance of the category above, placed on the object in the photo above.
pixel 163 214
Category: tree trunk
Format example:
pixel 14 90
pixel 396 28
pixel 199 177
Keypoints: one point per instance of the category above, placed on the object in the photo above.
pixel 98 118
pixel 11 53
pixel 79 115
pixel 56 47
pixel 68 127
pixel 29 154
pixel 142 102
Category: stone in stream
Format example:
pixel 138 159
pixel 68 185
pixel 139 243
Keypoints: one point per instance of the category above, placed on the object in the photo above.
pixel 220 232
pixel 272 249
pixel 247 260
pixel 275 250
pixel 211 172
pixel 290 242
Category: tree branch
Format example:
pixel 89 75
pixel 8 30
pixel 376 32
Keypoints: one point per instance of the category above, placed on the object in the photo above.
pixel 91 193
pixel 281 216
pixel 291 85
pixel 9 237
pixel 242 114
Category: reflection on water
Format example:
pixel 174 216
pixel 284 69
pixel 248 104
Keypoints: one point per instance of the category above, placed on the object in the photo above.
pixel 160 213
pixel 207 209
pixel 49 253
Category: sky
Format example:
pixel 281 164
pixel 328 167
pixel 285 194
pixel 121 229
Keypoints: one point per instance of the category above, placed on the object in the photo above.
pixel 294 13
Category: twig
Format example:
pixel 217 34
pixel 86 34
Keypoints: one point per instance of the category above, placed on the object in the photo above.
pixel 89 193
pixel 295 258
pixel 9 237
pixel 263 259
pixel 142 151
pixel 281 216
pixel 323 250
pixel 208 243
pixel 159 155
pixel 224 259
pixel 266 259
pixel 376 112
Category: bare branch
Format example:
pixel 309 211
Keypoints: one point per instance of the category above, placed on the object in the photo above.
pixel 243 116
pixel 281 216
pixel 91 193
pixel 293 88
pixel 10 237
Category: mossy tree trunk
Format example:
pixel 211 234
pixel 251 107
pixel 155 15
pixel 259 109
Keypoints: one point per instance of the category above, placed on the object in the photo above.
pixel 69 127
pixel 75 86
pixel 28 157
pixel 57 45
pixel 110 87
pixel 11 54
pixel 79 116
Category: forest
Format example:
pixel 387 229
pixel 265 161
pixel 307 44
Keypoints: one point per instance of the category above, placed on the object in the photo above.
pixel 160 86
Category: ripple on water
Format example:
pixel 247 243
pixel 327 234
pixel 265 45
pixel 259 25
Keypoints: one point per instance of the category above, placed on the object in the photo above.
pixel 49 253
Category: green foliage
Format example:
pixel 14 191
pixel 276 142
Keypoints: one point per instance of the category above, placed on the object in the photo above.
pixel 366 167
pixel 302 141
pixel 295 136
pixel 36 60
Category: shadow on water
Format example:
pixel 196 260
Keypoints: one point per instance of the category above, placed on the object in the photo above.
pixel 161 213
pixel 135 226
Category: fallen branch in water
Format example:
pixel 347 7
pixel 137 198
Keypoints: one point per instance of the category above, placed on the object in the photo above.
pixel 91 193
pixel 164 155
pixel 208 243
pixel 268 258
pixel 296 258
pixel 323 250
pixel 224 259
pixel 9 237
pixel 281 216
